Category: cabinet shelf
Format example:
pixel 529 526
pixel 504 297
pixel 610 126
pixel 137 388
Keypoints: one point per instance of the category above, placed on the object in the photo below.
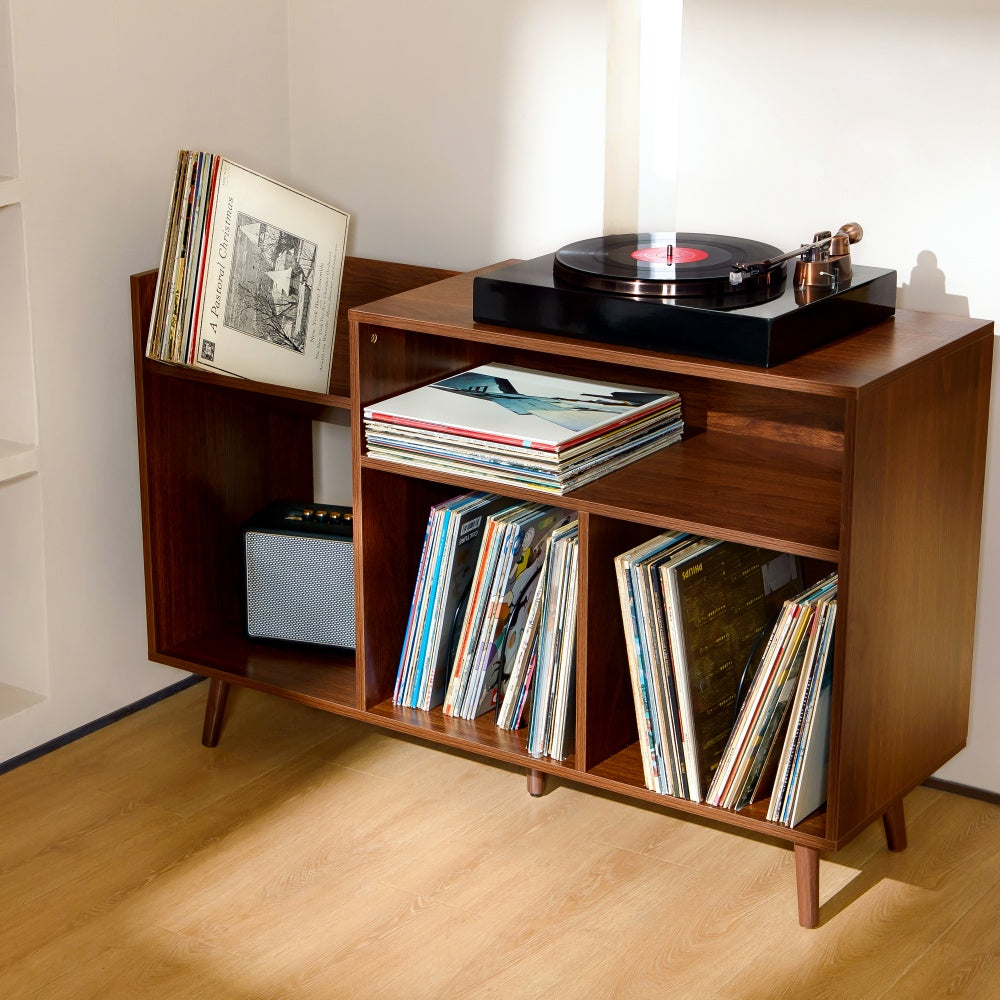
pixel 733 487
pixel 478 736
pixel 323 678
pixel 228 382
pixel 835 456
pixel 622 773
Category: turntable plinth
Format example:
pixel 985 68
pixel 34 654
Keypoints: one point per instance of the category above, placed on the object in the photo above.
pixel 729 325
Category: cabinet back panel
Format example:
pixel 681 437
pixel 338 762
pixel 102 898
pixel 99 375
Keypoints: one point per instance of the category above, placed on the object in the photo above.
pixel 365 280
pixel 393 361
pixel 212 459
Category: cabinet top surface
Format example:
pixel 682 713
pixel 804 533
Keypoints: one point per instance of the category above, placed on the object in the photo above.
pixel 851 363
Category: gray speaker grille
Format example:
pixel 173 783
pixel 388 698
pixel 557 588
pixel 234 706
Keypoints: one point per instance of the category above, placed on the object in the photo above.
pixel 300 588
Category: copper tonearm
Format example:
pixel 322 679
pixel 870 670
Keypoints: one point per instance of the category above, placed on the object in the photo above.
pixel 825 262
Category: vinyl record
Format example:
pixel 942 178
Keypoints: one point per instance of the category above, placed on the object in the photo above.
pixel 671 265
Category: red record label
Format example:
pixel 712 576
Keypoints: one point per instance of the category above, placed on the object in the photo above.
pixel 669 255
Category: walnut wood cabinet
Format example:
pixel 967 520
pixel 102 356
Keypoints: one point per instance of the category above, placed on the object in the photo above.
pixel 866 455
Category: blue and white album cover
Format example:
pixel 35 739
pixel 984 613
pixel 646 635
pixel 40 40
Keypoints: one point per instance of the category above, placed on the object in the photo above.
pixel 522 407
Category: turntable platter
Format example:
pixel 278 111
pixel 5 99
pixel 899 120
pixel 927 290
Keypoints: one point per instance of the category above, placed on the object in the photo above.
pixel 695 267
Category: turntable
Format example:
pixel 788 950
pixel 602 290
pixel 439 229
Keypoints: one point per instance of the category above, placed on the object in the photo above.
pixel 718 297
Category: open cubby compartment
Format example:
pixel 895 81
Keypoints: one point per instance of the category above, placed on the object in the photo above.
pixel 390 526
pixel 392 360
pixel 607 735
pixel 759 463
pixel 213 455
pixel 213 451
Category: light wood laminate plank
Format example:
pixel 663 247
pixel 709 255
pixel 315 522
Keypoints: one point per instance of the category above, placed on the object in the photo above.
pixel 317 857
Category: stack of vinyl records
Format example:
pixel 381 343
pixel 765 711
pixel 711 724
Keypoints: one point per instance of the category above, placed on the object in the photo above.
pixel 492 625
pixel 250 276
pixel 694 611
pixel 529 428
pixel 480 565
pixel 499 594
pixel 800 782
pixel 779 746
pixel 542 682
pixel 765 744
pixel 452 544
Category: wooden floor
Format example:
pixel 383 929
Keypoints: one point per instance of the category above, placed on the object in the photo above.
pixel 312 857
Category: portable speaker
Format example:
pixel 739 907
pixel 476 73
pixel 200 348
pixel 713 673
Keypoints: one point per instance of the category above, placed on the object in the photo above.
pixel 300 574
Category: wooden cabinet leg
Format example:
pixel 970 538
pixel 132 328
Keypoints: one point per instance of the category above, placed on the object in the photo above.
pixel 807 885
pixel 215 710
pixel 895 826
pixel 536 782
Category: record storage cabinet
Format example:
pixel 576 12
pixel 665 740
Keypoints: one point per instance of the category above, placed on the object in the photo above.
pixel 866 456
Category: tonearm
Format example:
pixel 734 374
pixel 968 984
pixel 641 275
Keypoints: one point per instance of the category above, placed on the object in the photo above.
pixel 825 263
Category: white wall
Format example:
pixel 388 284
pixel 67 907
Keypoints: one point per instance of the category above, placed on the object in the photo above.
pixel 107 92
pixel 800 117
pixel 456 133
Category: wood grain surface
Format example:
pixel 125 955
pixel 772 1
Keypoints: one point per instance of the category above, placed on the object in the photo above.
pixel 311 857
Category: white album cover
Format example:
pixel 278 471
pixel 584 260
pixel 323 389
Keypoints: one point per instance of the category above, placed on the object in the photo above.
pixel 519 406
pixel 272 282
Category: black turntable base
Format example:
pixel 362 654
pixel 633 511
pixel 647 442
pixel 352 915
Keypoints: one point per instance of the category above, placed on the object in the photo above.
pixel 783 319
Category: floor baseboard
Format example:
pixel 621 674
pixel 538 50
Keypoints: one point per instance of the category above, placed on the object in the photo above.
pixel 92 727
pixel 967 790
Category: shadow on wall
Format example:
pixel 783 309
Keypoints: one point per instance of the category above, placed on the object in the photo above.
pixel 926 290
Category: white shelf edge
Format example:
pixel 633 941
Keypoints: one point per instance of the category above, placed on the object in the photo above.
pixel 15 699
pixel 17 459
pixel 10 191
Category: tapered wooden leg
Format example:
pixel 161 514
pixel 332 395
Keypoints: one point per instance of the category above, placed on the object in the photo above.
pixel 215 710
pixel 895 826
pixel 807 885
pixel 536 782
